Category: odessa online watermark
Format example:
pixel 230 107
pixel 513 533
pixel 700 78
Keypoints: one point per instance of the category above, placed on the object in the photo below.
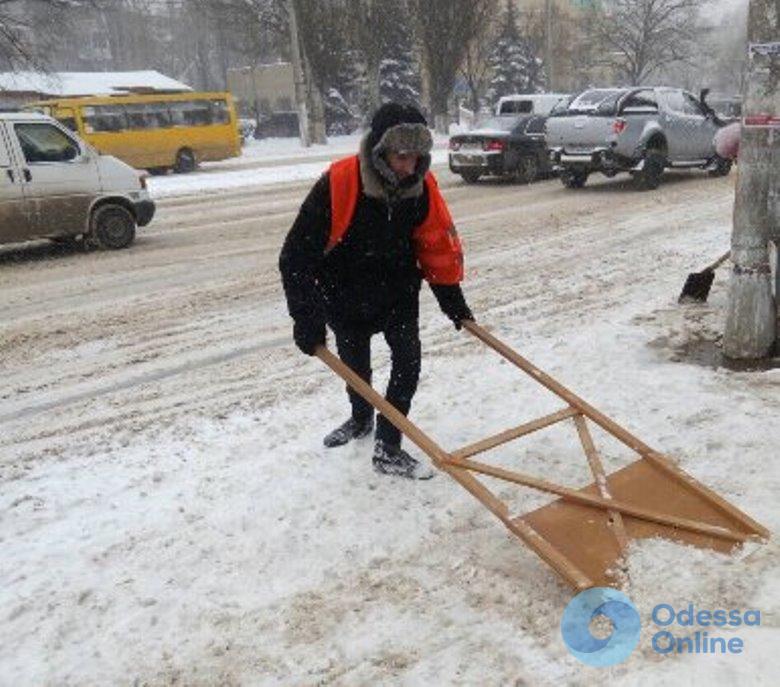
pixel 695 636
pixel 614 605
pixel 700 642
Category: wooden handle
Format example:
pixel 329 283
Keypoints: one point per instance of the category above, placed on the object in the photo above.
pixel 397 418
pixel 718 262
pixel 558 389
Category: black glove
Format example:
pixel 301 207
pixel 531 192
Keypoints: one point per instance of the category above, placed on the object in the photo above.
pixel 452 303
pixel 457 318
pixel 308 334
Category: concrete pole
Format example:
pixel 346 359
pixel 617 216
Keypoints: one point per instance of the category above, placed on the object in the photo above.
pixel 751 314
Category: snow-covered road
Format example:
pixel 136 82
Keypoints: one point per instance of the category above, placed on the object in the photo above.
pixel 168 515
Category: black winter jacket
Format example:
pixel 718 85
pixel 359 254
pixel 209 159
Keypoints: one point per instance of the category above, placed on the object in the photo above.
pixel 369 274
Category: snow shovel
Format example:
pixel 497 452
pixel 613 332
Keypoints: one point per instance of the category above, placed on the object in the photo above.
pixel 584 534
pixel 698 284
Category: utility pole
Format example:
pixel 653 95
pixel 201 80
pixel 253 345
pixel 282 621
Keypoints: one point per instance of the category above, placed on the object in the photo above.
pixel 298 77
pixel 751 318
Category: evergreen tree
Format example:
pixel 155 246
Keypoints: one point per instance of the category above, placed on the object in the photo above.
pixel 515 67
pixel 399 73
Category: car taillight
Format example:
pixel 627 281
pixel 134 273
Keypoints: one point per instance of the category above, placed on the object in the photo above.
pixel 619 126
pixel 494 144
pixel 454 145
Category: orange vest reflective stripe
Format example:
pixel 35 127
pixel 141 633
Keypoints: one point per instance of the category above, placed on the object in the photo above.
pixel 436 243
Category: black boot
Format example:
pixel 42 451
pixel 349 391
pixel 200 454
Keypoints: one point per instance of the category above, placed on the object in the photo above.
pixel 351 429
pixel 393 460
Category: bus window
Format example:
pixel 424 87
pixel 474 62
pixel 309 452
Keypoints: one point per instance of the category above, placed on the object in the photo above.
pixel 219 112
pixel 190 113
pixel 104 118
pixel 147 116
pixel 158 115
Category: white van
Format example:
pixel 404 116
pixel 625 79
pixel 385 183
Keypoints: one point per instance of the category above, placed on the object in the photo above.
pixel 531 104
pixel 54 185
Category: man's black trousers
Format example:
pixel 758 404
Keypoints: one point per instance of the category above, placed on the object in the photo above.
pixel 402 333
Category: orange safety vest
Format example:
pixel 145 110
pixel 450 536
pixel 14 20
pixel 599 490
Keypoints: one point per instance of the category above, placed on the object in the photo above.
pixel 436 243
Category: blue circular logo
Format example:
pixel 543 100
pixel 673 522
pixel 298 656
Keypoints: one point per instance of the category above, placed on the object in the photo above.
pixel 583 608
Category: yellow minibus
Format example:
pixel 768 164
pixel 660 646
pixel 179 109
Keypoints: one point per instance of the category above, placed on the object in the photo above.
pixel 154 132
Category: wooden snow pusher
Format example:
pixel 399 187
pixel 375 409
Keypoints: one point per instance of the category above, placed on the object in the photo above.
pixel 583 534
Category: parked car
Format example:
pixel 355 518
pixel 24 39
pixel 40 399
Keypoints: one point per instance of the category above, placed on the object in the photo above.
pixel 277 125
pixel 642 131
pixel 533 103
pixel 54 185
pixel 506 146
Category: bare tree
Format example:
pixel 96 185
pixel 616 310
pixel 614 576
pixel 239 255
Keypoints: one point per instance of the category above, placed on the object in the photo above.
pixel 261 27
pixel 643 36
pixel 21 45
pixel 445 28
pixel 475 68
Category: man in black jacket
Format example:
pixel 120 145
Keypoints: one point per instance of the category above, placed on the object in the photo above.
pixel 367 280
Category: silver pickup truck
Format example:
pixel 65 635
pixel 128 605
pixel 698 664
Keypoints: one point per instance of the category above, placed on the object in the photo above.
pixel 641 131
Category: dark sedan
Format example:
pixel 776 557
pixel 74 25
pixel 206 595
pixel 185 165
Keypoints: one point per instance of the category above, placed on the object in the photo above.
pixel 506 146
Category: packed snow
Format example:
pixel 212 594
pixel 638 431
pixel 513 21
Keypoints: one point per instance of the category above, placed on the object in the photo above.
pixel 169 516
pixel 268 161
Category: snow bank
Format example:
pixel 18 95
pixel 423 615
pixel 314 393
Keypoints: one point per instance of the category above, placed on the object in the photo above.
pixel 264 162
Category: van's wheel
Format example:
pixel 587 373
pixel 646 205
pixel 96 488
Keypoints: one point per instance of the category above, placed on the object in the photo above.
pixel 111 227
pixel 527 170
pixel 649 178
pixel 185 161
pixel 722 167
pixel 471 177
pixel 574 178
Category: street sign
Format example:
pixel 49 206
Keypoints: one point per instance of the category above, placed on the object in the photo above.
pixel 764 49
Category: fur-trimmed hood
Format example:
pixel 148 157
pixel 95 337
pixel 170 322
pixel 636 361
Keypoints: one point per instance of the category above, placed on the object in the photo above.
pixel 379 181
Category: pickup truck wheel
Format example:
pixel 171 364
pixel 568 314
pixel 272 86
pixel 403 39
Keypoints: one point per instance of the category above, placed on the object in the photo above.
pixel 649 178
pixel 722 167
pixel 471 177
pixel 527 170
pixel 574 178
pixel 112 227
